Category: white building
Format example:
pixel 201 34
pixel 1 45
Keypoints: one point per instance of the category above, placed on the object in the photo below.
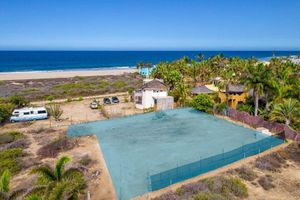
pixel 154 93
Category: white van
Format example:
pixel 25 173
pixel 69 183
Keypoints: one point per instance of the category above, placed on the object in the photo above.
pixel 29 114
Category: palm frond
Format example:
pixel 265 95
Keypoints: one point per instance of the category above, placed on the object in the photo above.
pixel 4 181
pixel 59 190
pixel 33 197
pixel 45 172
pixel 71 173
pixel 39 189
pixel 60 165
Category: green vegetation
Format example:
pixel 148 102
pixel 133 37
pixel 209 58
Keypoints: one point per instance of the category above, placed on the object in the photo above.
pixel 10 160
pixel 287 111
pixel 9 137
pixel 18 101
pixel 50 98
pixel 203 102
pixel 5 193
pixel 5 111
pixel 220 187
pixel 55 111
pixel 119 84
pixel 58 182
pixel 8 104
pixel 272 84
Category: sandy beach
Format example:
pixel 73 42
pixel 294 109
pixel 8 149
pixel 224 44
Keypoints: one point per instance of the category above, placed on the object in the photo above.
pixel 62 74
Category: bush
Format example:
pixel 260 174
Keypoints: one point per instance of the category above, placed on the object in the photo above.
pixel 9 137
pixel 266 182
pixel 246 173
pixel 208 196
pixel 85 160
pixel 126 99
pixel 80 99
pixel 19 101
pixel 130 90
pixel 52 149
pixel 5 111
pixel 203 102
pixel 220 108
pixel 55 111
pixel 10 160
pixel 246 108
pixel 119 84
pixel 50 98
pixel 270 162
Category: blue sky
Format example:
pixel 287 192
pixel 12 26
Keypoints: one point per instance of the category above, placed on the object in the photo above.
pixel 150 24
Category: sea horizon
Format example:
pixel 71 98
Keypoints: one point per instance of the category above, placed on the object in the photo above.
pixel 20 61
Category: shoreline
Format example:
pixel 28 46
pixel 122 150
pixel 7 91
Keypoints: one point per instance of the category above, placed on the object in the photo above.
pixel 30 75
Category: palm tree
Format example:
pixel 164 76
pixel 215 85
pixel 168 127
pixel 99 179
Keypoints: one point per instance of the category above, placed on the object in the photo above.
pixel 5 193
pixel 181 94
pixel 230 74
pixel 200 57
pixel 255 79
pixel 286 111
pixel 60 183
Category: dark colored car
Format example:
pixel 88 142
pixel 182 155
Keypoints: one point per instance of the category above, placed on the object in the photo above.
pixel 106 100
pixel 115 99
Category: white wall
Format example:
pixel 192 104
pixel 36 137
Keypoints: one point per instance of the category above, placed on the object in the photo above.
pixel 147 99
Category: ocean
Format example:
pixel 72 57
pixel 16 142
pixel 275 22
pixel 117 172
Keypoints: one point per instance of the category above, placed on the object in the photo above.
pixel 24 61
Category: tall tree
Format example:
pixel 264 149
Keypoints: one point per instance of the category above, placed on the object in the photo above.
pixel 286 111
pixel 255 79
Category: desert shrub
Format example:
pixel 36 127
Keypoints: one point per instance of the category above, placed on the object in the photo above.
pixel 119 84
pixel 126 99
pixel 227 186
pixel 237 187
pixel 170 195
pixel 19 101
pixel 130 90
pixel 69 100
pixel 208 196
pixel 50 98
pixel 292 151
pixel 23 144
pixel 85 160
pixel 270 162
pixel 202 102
pixel 54 148
pixel 266 182
pixel 10 159
pixel 5 111
pixel 9 137
pixel 194 188
pixel 80 99
pixel 246 173
pixel 55 111
pixel 216 188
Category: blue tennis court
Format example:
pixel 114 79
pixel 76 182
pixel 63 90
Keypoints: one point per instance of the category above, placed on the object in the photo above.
pixel 141 149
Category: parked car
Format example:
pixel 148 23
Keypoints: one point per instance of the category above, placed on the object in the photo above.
pixel 94 104
pixel 106 100
pixel 29 114
pixel 115 99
